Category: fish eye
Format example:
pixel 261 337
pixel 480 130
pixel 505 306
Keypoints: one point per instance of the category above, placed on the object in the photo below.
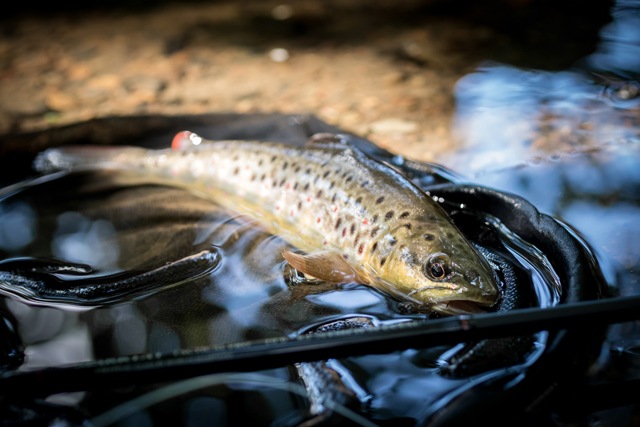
pixel 437 267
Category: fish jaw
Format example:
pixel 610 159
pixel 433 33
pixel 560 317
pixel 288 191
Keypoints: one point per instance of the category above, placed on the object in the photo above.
pixel 449 298
pixel 462 297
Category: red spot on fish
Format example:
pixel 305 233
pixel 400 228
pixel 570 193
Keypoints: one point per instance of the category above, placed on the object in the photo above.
pixel 181 140
pixel 360 248
pixel 335 209
pixel 318 220
pixel 308 199
pixel 288 186
pixel 277 207
pixel 365 221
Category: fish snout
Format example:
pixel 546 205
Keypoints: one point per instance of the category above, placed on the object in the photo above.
pixel 479 288
pixel 484 283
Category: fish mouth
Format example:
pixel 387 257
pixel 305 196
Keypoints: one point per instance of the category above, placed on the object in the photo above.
pixel 453 299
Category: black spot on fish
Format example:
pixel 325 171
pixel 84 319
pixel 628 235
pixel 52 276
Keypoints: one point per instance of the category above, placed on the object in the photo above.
pixel 429 237
pixel 355 241
pixel 285 165
pixel 374 247
pixel 359 200
pixel 334 197
pixel 407 226
pixel 253 177
pixel 273 159
pixel 319 194
pixel 283 181
pixel 364 184
pixel 393 241
pixel 306 186
pixel 260 162
pixel 332 185
pixel 404 215
pixel 388 215
pixel 263 176
pixel 326 174
pixel 308 171
pixel 382 261
pixel 379 200
pixel 374 219
pixel 375 231
pixel 338 222
pixel 295 186
pixel 300 206
pixel 236 170
pixel 297 169
pixel 353 229
pixel 349 178
pixel 360 248
pixel 315 179
pixel 344 231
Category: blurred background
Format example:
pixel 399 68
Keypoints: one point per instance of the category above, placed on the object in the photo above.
pixel 387 70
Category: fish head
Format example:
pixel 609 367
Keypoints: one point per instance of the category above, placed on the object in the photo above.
pixel 443 272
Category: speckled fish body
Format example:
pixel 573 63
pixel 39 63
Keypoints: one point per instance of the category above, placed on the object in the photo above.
pixel 355 219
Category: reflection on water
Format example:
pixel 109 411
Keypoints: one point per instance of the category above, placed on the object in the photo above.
pixel 619 50
pixel 78 239
pixel 508 116
pixel 18 226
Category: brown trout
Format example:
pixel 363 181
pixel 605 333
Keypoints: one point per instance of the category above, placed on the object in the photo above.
pixel 354 219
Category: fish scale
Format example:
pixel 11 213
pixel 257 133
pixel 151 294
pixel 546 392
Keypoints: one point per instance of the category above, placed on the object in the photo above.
pixel 351 217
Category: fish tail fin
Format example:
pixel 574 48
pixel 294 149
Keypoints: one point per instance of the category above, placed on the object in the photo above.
pixel 88 158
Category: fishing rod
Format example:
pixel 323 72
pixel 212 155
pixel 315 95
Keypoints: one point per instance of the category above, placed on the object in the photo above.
pixel 277 352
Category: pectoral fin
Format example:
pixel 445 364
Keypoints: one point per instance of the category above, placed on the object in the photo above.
pixel 327 266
